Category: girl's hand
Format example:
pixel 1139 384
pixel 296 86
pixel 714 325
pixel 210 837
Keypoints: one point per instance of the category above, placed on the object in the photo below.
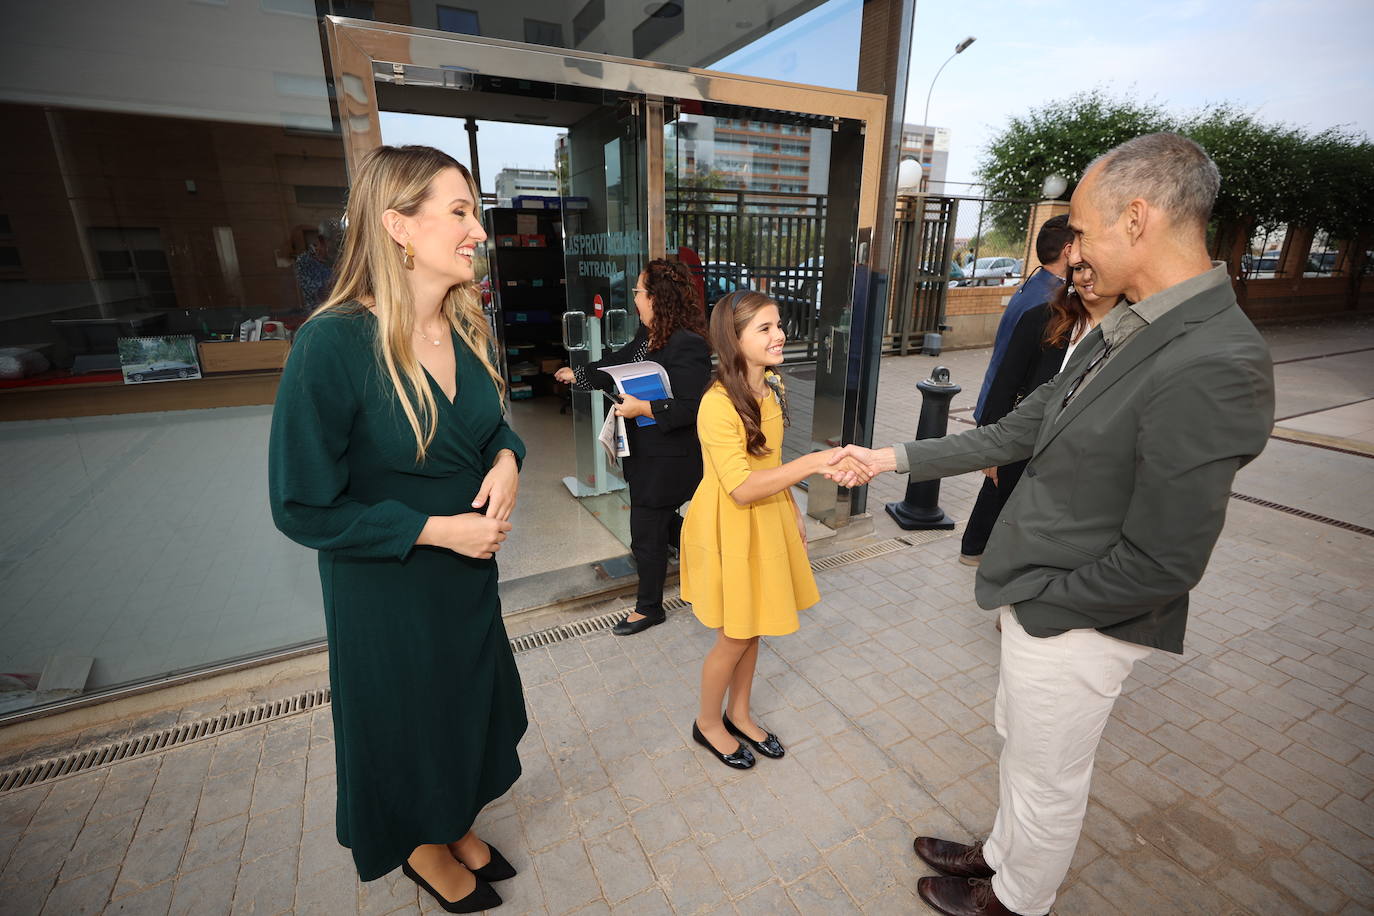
pixel 470 534
pixel 564 375
pixel 845 470
pixel 631 406
pixel 499 487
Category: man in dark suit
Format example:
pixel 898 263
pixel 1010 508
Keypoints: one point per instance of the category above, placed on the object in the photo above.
pixel 1132 449
pixel 1052 249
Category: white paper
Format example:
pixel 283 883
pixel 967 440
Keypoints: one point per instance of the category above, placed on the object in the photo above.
pixel 635 370
pixel 613 439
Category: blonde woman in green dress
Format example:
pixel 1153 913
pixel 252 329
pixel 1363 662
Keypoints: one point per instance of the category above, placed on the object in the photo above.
pixel 391 457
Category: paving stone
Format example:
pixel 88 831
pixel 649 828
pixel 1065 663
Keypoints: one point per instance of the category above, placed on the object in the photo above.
pixel 327 893
pixel 69 798
pixel 39 856
pixel 17 808
pixel 687 879
pixel 85 894
pixel 99 846
pixel 820 893
pixel 151 901
pixel 154 855
pixel 266 885
pixel 127 787
pixel 620 864
pixel 278 786
pixel 208 890
pixel 272 832
pixel 566 876
pixel 789 852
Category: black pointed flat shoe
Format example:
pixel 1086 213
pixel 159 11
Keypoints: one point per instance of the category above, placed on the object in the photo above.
pixel 498 869
pixel 628 627
pixel 770 746
pixel 483 896
pixel 741 759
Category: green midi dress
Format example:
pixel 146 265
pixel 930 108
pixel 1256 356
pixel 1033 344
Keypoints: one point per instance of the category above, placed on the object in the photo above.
pixel 427 702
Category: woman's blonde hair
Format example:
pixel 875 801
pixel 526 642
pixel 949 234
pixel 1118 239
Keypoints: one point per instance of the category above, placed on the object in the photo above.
pixel 370 266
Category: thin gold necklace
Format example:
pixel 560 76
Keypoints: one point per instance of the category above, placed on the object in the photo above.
pixel 426 337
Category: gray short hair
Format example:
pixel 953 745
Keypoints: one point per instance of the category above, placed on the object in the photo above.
pixel 1168 170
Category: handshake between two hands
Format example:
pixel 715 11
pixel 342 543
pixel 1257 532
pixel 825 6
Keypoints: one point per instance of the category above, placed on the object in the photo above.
pixel 854 465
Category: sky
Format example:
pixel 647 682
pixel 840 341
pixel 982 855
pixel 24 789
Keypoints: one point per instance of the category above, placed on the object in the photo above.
pixel 1306 63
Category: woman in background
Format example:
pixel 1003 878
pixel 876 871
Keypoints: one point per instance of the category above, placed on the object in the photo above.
pixel 664 464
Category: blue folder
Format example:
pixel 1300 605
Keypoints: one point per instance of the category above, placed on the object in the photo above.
pixel 647 388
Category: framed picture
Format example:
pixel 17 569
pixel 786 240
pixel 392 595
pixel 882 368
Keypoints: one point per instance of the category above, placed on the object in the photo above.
pixel 158 359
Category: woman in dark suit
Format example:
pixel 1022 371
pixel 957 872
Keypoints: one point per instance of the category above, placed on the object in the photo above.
pixel 664 464
pixel 1042 343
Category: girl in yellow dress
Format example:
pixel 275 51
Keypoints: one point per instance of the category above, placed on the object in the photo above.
pixel 744 563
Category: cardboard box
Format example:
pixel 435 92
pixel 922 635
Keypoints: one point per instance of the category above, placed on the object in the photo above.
pixel 227 356
pixel 550 366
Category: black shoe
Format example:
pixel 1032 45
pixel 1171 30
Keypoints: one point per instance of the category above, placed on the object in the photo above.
pixel 483 896
pixel 628 627
pixel 741 759
pixel 770 746
pixel 498 869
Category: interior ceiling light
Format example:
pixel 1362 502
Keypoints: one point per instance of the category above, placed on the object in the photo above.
pixel 664 10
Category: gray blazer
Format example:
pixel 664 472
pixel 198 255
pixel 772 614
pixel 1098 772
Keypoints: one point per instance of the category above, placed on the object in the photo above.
pixel 1125 494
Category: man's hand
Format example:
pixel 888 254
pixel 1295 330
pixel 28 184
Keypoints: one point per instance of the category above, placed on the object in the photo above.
pixel 990 473
pixel 874 461
pixel 848 472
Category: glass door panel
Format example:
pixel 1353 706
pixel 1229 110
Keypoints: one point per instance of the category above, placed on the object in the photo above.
pixel 604 252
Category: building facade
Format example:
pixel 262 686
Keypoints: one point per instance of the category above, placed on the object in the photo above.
pixel 174 182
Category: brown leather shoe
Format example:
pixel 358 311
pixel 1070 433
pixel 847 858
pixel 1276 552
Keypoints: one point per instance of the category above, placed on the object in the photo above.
pixel 954 859
pixel 961 897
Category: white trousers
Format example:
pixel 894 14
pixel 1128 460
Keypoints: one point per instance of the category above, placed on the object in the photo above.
pixel 1053 700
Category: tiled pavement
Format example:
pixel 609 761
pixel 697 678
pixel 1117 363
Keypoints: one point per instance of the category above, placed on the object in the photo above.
pixel 1236 778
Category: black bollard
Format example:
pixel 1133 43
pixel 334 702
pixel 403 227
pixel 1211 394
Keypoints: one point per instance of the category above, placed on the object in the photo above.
pixel 920 510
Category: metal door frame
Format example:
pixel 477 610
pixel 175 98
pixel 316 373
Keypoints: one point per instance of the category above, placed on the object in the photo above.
pixel 363 52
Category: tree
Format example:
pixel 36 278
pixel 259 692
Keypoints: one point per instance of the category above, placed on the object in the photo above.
pixel 1059 138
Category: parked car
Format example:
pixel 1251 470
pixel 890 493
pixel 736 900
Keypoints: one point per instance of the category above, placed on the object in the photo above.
pixel 992 271
pixel 731 270
pixel 169 369
pixel 1262 267
pixel 799 280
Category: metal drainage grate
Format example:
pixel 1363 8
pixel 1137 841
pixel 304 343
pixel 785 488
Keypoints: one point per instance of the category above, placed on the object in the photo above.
pixel 87 759
pixel 92 758
pixel 1300 513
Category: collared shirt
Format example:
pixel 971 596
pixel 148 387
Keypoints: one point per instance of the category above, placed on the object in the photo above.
pixel 1126 320
pixel 1036 291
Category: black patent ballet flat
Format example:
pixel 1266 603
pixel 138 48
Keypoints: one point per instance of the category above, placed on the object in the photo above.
pixel 498 869
pixel 483 896
pixel 741 759
pixel 770 746
pixel 628 627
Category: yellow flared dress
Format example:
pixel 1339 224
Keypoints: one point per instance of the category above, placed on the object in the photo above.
pixel 744 568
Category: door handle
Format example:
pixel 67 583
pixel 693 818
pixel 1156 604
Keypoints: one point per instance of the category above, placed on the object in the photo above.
pixel 574 331
pixel 617 328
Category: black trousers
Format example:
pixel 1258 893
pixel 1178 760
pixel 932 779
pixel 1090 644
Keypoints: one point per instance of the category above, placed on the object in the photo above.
pixel 658 486
pixel 991 498
pixel 651 531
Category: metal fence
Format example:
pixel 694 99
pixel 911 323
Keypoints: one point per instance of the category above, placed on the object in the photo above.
pixel 774 242
pixel 768 241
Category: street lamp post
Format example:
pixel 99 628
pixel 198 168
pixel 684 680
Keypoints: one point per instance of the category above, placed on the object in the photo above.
pixel 960 48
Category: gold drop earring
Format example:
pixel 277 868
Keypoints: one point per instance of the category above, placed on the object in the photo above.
pixel 409 258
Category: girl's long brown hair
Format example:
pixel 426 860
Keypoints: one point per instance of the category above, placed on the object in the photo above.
pixel 677 301
pixel 1066 311
pixel 370 267
pixel 730 317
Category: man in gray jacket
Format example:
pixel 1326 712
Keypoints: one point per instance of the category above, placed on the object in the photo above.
pixel 1132 449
